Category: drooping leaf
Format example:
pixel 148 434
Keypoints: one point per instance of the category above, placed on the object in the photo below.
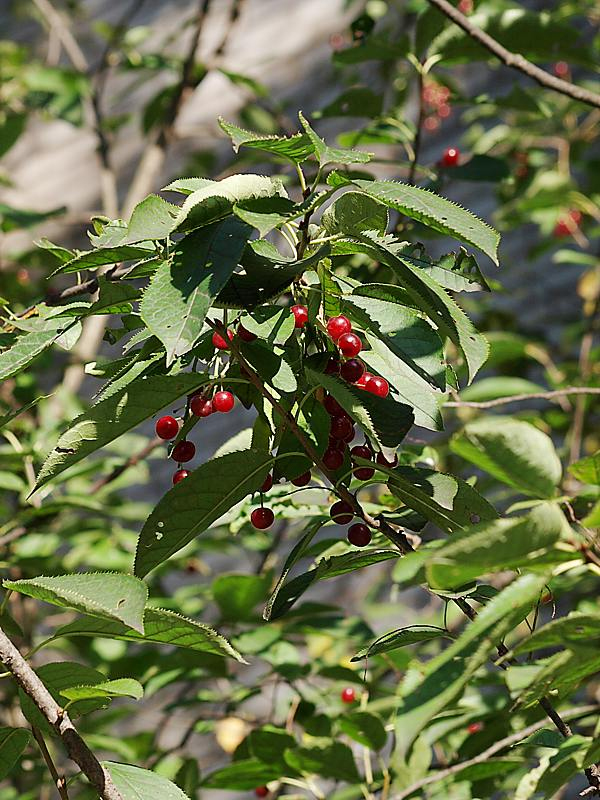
pixel 193 505
pixel 413 634
pixel 296 148
pixel 12 743
pixel 120 687
pixel 101 256
pixel 140 784
pixel 100 594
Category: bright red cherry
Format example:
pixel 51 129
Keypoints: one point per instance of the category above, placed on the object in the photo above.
pixel 341 427
pixel 567 223
pixel 561 69
pixel 183 451
pixel 332 406
pixel 377 385
pixel 363 473
pixel 332 367
pixel 361 451
pixel 167 427
pixel 245 335
pixel 180 475
pixel 220 342
pixel 261 791
pixel 359 535
pixel 352 370
pixel 341 512
pixel 348 695
pixel 475 727
pixel 333 458
pixel 303 479
pixel 450 156
pixel 223 402
pixel 349 344
pixel 466 6
pixel 300 316
pixel 361 383
pixel 381 459
pixel 262 518
pixel 268 483
pixel 201 406
pixel 337 326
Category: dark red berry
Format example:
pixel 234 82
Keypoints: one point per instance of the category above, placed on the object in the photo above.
pixel 337 326
pixel 223 402
pixel 167 427
pixel 180 475
pixel 450 156
pixel 303 479
pixel 336 444
pixel 381 459
pixel 261 791
pixel 377 385
pixel 350 345
pixel 341 512
pixel 341 427
pixel 300 316
pixel 333 458
pixel 245 335
pixel 364 473
pixel 332 367
pixel 359 535
pixel 348 695
pixel 268 483
pixel 475 727
pixel 349 436
pixel 201 406
pixel 262 518
pixel 361 451
pixel 183 451
pixel 220 342
pixel 352 370
pixel 332 406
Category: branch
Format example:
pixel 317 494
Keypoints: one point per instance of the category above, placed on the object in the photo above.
pixel 76 748
pixel 516 398
pixel 515 60
pixel 60 782
pixel 491 751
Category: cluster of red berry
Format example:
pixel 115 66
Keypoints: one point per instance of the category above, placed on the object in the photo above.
pixel 436 99
pixel 567 224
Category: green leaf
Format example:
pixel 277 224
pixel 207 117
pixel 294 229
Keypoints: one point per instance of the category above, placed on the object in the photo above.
pixel 315 422
pixel 296 148
pixel 92 259
pixel 193 505
pixel 152 218
pixel 215 201
pixel 30 345
pixel 121 687
pixel 382 418
pixel 160 627
pixel 99 594
pixel 238 595
pixel 332 155
pixel 498 386
pixel 140 784
pixel 266 213
pixel 243 775
pixel 513 451
pixel 175 304
pixel 481 168
pixel 413 634
pixel 188 185
pixel 113 416
pixel 587 470
pixel 353 213
pixel 575 630
pixel 365 728
pixel 269 745
pixel 114 298
pixel 358 101
pixel 493 546
pixel 12 743
pixel 446 675
pixel 272 324
pixel 332 761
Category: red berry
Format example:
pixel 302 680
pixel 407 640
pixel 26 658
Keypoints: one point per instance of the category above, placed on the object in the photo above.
pixel 361 451
pixel 167 427
pixel 341 427
pixel 201 406
pixel 336 444
pixel 341 512
pixel 348 695
pixel 245 335
pixel 350 344
pixel 262 518
pixel 359 535
pixel 337 326
pixel 361 383
pixel 444 110
pixel 377 385
pixel 332 367
pixel 261 791
pixel 268 483
pixel 465 6
pixel 475 727
pixel 333 407
pixel 183 451
pixel 300 316
pixel 303 479
pixel 180 475
pixel 333 458
pixel 450 156
pixel 352 370
pixel 220 342
pixel 363 473
pixel 381 459
pixel 223 402
pixel 561 69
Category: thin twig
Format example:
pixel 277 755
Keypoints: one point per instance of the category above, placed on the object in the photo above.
pixel 132 461
pixel 515 60
pixel 516 398
pixel 60 781
pixel 58 718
